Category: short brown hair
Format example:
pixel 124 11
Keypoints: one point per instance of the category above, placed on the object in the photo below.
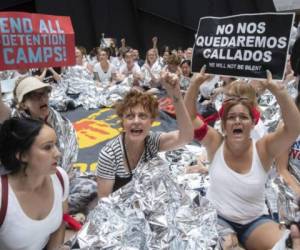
pixel 134 98
pixel 240 88
pixel 173 59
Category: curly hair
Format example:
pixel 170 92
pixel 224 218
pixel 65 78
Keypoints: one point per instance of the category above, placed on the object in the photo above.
pixel 134 98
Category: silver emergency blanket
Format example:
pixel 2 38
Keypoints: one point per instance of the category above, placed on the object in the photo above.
pixel 150 212
pixel 77 88
pixel 6 74
pixel 66 137
pixel 288 210
pixel 270 110
pixel 7 97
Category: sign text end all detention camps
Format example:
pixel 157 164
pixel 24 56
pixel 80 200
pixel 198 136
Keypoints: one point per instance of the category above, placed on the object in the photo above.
pixel 243 45
pixel 34 40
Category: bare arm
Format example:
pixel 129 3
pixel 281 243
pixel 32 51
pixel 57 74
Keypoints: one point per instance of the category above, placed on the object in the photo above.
pixel 191 95
pixel 57 238
pixel 43 74
pixel 154 79
pixel 154 42
pixel 281 163
pixel 184 134
pixel 56 76
pixel 276 143
pixel 105 187
pixel 212 139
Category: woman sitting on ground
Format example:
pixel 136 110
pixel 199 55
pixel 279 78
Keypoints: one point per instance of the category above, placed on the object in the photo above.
pixel 151 70
pixel 35 191
pixel 137 144
pixel 239 164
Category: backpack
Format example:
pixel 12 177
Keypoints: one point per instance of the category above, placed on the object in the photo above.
pixel 4 194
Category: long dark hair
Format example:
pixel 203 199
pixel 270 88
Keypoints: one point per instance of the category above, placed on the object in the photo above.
pixel 16 137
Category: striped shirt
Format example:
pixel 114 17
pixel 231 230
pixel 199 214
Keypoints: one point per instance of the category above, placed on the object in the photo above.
pixel 111 161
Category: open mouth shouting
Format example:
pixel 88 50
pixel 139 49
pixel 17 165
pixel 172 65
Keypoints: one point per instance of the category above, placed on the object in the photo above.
pixel 237 131
pixel 136 132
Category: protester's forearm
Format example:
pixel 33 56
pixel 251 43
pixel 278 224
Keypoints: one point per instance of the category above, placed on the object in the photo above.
pixel 56 76
pixel 184 123
pixel 289 111
pixel 290 181
pixel 190 99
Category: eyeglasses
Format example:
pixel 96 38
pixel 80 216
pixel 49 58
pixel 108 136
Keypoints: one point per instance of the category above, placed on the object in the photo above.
pixel 39 94
pixel 236 99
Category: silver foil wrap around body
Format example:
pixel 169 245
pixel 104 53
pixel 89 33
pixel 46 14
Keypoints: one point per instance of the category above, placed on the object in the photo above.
pixel 150 212
pixel 78 87
pixel 287 202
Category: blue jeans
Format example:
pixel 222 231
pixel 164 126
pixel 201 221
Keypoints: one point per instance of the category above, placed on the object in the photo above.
pixel 243 231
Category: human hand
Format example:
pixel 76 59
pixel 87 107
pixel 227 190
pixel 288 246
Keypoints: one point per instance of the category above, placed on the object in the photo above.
pixel 123 42
pixel 136 76
pixel 201 77
pixel 270 84
pixel 147 67
pixel 171 83
pixel 154 40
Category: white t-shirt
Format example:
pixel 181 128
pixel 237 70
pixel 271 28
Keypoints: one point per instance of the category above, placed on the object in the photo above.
pixel 104 76
pixel 117 62
pixel 135 70
pixel 20 232
pixel 155 70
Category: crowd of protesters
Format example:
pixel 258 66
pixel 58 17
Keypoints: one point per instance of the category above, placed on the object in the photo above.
pixel 40 139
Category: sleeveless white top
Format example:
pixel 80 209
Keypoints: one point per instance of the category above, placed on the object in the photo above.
pixel 19 232
pixel 239 198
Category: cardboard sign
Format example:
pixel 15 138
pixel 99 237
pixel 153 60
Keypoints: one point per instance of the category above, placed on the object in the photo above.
pixel 33 40
pixel 243 45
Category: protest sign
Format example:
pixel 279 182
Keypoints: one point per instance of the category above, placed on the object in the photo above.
pixel 243 45
pixel 34 40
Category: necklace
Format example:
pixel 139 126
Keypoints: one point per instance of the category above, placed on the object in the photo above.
pixel 126 155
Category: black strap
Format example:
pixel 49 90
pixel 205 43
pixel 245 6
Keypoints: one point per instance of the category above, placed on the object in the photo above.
pixel 125 153
pixel 4 198
pixel 61 180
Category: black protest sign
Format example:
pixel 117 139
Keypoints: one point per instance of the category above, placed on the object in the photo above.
pixel 243 45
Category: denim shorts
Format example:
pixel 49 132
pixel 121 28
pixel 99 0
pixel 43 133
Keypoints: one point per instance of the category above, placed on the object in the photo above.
pixel 243 231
